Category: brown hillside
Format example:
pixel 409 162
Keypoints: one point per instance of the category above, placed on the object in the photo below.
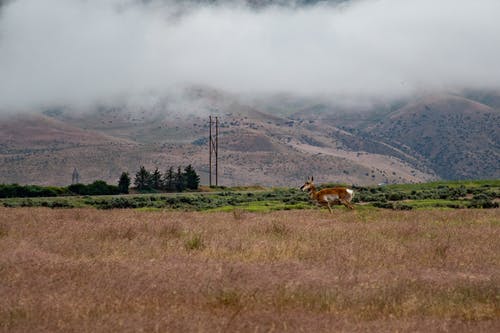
pixel 255 148
pixel 460 138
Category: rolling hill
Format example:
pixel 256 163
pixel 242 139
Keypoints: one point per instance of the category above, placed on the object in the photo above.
pixel 454 136
pixel 444 136
pixel 459 138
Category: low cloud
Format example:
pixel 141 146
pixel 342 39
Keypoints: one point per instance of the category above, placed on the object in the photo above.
pixel 61 52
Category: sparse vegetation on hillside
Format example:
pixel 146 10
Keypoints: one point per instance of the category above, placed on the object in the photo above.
pixel 442 136
pixel 458 137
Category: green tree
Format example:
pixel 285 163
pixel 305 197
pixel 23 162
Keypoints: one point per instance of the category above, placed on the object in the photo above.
pixel 80 189
pixel 191 178
pixel 124 182
pixel 169 180
pixel 142 179
pixel 155 180
pixel 180 183
pixel 100 187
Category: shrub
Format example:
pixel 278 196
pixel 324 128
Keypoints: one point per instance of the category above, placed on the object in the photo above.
pixel 194 243
pixel 482 200
pixel 80 189
pixel 380 204
pixel 396 196
pixel 99 187
pixel 444 192
pixel 400 206
pixel 29 191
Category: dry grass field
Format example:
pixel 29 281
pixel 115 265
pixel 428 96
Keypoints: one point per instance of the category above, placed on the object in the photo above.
pixel 87 270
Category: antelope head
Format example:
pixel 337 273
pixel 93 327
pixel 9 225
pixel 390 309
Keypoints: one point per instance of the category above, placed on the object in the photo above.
pixel 308 185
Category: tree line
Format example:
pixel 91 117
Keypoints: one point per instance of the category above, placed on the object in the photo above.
pixel 171 181
pixel 145 181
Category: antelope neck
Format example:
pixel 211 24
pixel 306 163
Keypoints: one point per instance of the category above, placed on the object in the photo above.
pixel 312 191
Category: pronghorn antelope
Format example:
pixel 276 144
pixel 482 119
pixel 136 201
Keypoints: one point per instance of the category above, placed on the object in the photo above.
pixel 329 196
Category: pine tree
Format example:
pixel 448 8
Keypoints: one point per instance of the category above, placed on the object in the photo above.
pixel 155 180
pixel 180 184
pixel 169 180
pixel 191 177
pixel 142 179
pixel 124 183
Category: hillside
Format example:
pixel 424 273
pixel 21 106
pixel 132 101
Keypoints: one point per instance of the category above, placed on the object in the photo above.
pixel 40 149
pixel 455 136
pixel 459 138
pixel 446 136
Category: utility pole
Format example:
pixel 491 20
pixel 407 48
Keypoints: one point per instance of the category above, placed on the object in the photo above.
pixel 213 143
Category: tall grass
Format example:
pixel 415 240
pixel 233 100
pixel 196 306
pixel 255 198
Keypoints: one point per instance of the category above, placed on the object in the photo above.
pixel 306 270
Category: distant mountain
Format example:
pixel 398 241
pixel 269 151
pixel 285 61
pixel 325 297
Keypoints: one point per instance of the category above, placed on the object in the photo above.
pixel 458 137
pixel 270 141
pixel 489 98
pixel 455 136
pixel 39 149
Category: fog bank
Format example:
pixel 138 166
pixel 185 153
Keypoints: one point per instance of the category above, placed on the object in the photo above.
pixel 103 51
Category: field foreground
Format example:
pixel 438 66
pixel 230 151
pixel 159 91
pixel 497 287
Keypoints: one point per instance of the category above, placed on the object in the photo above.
pixel 127 270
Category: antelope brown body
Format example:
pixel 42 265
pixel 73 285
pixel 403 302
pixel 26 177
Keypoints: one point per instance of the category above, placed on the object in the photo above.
pixel 329 196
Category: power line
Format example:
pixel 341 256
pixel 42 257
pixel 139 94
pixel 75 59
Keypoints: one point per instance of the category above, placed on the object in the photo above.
pixel 213 149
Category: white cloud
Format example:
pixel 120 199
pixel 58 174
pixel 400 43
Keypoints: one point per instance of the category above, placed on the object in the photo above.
pixel 74 52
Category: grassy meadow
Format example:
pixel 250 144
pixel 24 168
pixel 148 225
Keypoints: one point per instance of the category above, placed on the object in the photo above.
pixel 162 270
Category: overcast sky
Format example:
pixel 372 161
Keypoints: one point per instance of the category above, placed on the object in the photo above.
pixel 79 52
